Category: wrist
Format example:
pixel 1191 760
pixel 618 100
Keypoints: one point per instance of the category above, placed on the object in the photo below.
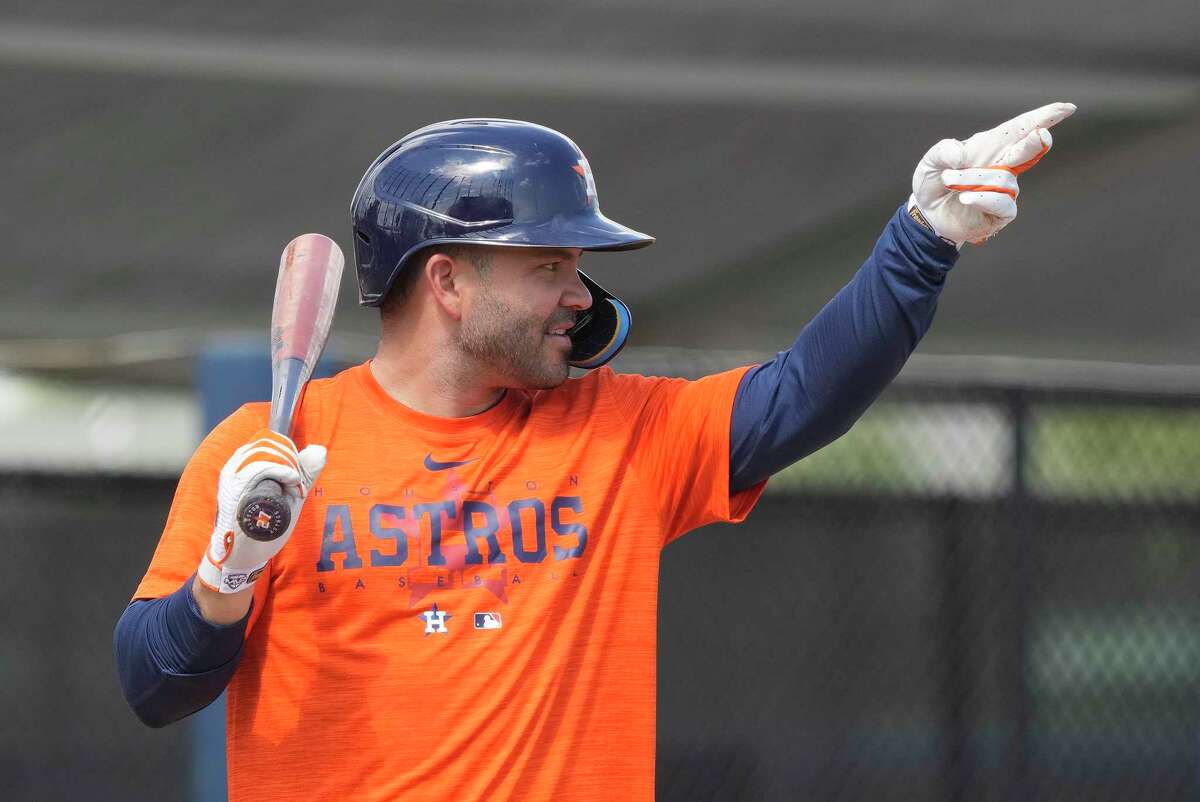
pixel 914 211
pixel 223 571
pixel 219 608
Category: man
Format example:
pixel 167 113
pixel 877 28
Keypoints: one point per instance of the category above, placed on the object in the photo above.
pixel 466 606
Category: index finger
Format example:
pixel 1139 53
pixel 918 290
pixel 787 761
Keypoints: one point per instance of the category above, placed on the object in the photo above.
pixel 1045 117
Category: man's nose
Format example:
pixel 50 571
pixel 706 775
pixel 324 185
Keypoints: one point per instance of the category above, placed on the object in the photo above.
pixel 577 295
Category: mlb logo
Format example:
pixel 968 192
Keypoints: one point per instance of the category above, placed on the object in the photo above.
pixel 487 621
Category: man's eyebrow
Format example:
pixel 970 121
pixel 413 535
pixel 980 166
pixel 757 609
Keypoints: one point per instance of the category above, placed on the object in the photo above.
pixel 554 253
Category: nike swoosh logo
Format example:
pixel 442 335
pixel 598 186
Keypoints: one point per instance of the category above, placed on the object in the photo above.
pixel 434 465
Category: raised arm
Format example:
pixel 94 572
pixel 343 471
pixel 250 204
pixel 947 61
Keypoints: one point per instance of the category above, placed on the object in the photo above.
pixel 811 394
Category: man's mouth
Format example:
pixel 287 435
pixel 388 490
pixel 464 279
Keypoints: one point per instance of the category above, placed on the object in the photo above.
pixel 559 331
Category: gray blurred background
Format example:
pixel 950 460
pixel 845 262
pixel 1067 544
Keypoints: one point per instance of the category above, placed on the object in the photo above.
pixel 157 156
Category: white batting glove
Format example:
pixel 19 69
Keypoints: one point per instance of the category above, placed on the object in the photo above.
pixel 233 561
pixel 967 191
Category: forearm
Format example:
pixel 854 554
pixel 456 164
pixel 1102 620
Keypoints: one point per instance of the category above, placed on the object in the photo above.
pixel 842 360
pixel 172 662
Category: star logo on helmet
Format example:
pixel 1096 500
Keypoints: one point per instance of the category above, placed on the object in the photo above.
pixel 585 172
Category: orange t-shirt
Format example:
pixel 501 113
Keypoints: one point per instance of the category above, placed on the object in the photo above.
pixel 467 607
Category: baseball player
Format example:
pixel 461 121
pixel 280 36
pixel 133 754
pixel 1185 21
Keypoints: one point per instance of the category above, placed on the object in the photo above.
pixel 464 607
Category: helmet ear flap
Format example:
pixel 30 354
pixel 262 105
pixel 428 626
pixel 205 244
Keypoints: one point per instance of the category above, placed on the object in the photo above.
pixel 364 254
pixel 602 329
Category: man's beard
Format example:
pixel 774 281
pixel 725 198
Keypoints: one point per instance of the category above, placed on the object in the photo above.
pixel 514 346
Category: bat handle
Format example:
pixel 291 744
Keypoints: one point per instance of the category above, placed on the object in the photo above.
pixel 265 514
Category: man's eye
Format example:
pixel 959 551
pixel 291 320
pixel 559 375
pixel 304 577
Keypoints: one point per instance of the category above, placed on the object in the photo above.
pixel 551 267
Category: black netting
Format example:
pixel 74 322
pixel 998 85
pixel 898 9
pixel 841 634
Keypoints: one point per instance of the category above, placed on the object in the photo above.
pixel 76 548
pixel 977 594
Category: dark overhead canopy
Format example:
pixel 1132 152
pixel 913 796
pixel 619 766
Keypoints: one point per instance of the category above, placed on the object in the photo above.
pixel 154 167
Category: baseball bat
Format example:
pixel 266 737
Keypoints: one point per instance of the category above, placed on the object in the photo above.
pixel 310 272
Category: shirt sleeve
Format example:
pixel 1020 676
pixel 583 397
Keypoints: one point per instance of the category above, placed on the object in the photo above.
pixel 680 447
pixel 808 396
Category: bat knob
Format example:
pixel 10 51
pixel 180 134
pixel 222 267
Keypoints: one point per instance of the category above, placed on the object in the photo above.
pixel 264 517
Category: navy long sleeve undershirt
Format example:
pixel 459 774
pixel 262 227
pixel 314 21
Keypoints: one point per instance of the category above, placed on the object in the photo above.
pixel 171 662
pixel 811 394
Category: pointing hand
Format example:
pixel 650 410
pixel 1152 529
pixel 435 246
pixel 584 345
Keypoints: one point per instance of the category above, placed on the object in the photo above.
pixel 967 190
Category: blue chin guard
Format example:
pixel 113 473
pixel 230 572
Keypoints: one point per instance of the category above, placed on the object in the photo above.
pixel 601 330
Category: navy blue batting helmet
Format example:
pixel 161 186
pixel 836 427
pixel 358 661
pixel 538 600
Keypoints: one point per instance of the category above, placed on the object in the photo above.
pixel 489 182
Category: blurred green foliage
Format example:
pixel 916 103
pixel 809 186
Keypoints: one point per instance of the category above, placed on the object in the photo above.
pixel 1115 452
pixel 1084 452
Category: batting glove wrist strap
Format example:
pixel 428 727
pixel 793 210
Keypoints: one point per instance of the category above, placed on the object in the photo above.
pixel 967 190
pixel 234 561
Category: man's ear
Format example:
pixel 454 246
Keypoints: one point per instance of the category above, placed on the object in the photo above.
pixel 443 275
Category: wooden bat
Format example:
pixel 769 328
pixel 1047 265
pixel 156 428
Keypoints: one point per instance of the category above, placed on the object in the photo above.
pixel 310 272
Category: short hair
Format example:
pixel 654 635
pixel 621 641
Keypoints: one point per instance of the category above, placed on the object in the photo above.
pixel 402 287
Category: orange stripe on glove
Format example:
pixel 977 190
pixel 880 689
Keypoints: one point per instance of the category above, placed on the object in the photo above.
pixel 269 446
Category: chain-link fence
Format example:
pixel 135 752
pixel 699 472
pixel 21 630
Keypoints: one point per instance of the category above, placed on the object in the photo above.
pixel 986 591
